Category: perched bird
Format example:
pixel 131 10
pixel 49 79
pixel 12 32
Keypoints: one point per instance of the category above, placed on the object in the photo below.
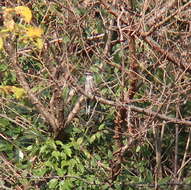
pixel 89 89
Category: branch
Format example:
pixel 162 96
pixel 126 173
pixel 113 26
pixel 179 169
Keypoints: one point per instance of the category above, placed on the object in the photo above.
pixel 145 111
pixel 157 25
pixel 10 48
pixel 153 16
pixel 169 55
pixel 75 110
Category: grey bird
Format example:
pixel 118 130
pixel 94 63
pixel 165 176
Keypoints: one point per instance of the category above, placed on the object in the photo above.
pixel 89 89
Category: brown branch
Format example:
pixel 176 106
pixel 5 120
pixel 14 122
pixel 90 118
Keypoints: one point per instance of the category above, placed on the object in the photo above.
pixel 133 66
pixel 57 102
pixel 158 167
pixel 151 17
pixel 120 118
pixel 75 110
pixel 169 55
pixel 186 152
pixel 145 111
pixel 10 48
pixel 166 19
pixel 72 82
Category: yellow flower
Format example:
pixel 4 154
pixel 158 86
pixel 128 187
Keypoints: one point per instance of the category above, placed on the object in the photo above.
pixel 25 12
pixel 34 32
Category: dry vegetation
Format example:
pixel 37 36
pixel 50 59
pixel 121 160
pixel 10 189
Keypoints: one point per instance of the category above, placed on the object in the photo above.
pixel 139 54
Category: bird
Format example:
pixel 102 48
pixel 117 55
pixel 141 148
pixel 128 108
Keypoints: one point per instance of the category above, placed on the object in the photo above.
pixel 89 89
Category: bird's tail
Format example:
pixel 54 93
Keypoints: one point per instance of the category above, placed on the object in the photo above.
pixel 88 107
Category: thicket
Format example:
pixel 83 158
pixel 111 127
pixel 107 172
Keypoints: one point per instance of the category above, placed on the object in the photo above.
pixel 137 135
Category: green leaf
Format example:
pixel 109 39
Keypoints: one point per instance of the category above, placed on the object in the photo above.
pixel 65 93
pixel 43 149
pixel 51 144
pixel 63 156
pixel 64 163
pixel 102 126
pixel 3 67
pixel 56 154
pixel 87 154
pixel 4 122
pixel 6 147
pixel 68 151
pixel 60 172
pixel 65 185
pixel 92 138
pixel 80 140
pixel 164 180
pixel 39 172
pixel 81 168
pixel 48 163
pixel 138 148
pixel 53 183
pixel 98 135
pixel 59 143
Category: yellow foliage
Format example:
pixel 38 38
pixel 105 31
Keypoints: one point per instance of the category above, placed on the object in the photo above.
pixel 8 11
pixel 39 43
pixel 6 89
pixel 27 33
pixel 1 43
pixel 8 19
pixel 9 24
pixel 18 92
pixel 34 32
pixel 25 12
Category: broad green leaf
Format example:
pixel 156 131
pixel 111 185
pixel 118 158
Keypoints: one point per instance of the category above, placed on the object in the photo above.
pixel 53 183
pixel 57 142
pixel 80 140
pixel 102 126
pixel 88 155
pixel 3 67
pixel 65 185
pixel 92 138
pixel 64 163
pixel 68 151
pixel 4 122
pixel 138 148
pixel 60 172
pixel 63 156
pixel 40 171
pixel 56 154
